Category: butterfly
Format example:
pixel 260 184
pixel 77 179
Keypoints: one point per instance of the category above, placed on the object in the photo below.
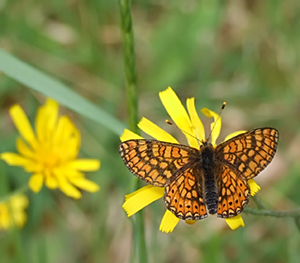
pixel 209 178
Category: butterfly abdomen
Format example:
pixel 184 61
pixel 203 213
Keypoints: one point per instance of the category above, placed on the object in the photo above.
pixel 208 164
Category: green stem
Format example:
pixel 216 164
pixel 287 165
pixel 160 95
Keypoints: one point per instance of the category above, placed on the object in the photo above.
pixel 140 253
pixel 265 212
pixel 129 64
pixel 262 210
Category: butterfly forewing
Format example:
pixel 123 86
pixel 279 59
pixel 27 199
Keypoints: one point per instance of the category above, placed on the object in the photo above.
pixel 249 153
pixel 156 162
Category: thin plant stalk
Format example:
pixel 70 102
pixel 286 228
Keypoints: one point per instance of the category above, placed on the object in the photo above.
pixel 139 250
pixel 273 213
pixel 262 210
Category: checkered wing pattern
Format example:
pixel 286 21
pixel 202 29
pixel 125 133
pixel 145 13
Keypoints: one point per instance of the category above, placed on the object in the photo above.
pixel 242 158
pixel 156 162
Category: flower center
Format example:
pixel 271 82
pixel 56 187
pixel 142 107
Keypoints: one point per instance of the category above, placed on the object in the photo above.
pixel 50 161
pixel 48 158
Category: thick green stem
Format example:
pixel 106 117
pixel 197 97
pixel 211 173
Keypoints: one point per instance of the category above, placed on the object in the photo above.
pixel 140 253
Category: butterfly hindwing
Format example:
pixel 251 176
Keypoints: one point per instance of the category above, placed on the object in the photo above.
pixel 184 195
pixel 233 192
pixel 155 162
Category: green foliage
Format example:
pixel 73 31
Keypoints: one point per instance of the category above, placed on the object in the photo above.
pixel 243 52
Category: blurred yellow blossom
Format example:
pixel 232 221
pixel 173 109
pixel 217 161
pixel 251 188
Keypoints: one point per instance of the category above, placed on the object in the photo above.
pixel 50 153
pixel 12 212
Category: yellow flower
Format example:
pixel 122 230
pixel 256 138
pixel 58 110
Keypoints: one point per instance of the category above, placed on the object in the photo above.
pixel 192 126
pixel 12 212
pixel 50 154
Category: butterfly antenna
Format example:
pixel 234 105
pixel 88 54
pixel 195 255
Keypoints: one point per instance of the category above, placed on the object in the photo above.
pixel 183 131
pixel 215 122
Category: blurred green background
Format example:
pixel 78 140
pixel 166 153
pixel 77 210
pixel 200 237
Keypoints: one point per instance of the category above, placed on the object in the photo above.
pixel 244 52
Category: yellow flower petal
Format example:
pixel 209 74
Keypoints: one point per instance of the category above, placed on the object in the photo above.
pixel 231 135
pixel 14 159
pixel 137 200
pixel 235 222
pixel 67 136
pixel 33 167
pixel 63 130
pixel 169 222
pixel 19 202
pixel 67 172
pixel 215 126
pixel 128 196
pixel 60 128
pixel 190 222
pixel 18 160
pixel 4 216
pixel 22 124
pixel 20 218
pixel 24 150
pixel 51 181
pixel 85 165
pixel 178 114
pixel 254 187
pixel 46 119
pixel 36 182
pixel 68 189
pixel 84 184
pixel 198 126
pixel 156 132
pixel 129 135
pixel 71 139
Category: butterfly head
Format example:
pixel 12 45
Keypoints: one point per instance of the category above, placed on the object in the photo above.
pixel 205 144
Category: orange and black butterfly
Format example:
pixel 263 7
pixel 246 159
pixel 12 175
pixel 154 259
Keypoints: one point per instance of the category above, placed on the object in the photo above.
pixel 197 180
